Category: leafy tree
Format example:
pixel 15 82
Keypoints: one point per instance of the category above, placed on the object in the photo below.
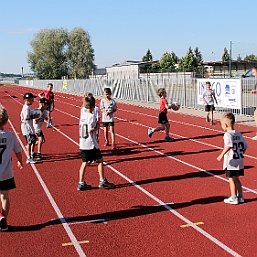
pixel 147 58
pixel 250 57
pixel 80 54
pixel 48 57
pixel 199 61
pixel 225 56
pixel 167 63
pixel 57 53
pixel 188 62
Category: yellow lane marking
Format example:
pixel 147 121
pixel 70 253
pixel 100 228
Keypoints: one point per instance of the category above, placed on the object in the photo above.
pixel 188 225
pixel 80 242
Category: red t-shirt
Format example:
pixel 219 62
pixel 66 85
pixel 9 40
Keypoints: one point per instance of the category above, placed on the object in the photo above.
pixel 49 95
pixel 163 102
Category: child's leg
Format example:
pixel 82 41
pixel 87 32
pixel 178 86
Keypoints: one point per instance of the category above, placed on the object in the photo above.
pixel 232 186
pixel 39 144
pixel 82 172
pixel 238 185
pixel 5 202
pixel 106 134
pixel 162 127
pixel 101 169
pixel 212 117
pixel 167 129
pixel 112 134
pixel 29 150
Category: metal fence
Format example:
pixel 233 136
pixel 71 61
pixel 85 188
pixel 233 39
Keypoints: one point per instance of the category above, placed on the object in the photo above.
pixel 181 88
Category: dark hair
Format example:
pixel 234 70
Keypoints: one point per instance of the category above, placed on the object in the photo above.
pixel 50 84
pixel 208 82
pixel 89 102
pixel 230 116
pixel 108 90
pixel 161 91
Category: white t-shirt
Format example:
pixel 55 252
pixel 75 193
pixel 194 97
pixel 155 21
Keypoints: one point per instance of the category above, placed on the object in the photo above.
pixel 87 140
pixel 108 105
pixel 26 121
pixel 8 144
pixel 37 123
pixel 234 158
pixel 209 97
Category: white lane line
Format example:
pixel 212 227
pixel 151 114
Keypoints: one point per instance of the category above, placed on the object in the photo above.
pixel 180 136
pixel 177 214
pixel 52 201
pixel 174 212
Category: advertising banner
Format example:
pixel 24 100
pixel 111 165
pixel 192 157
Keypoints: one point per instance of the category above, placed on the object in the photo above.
pixel 228 92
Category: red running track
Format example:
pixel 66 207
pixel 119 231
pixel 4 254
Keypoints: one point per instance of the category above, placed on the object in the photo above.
pixel 168 200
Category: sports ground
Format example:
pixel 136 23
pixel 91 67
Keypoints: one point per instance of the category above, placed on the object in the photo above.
pixel 168 199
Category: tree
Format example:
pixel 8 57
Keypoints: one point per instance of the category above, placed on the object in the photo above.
pixel 57 53
pixel 225 56
pixel 199 61
pixel 250 57
pixel 148 57
pixel 167 62
pixel 48 56
pixel 80 54
pixel 188 62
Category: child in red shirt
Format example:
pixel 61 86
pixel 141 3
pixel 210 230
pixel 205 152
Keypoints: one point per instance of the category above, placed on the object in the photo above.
pixel 163 120
pixel 49 95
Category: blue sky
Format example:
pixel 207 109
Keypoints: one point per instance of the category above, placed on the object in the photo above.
pixel 124 29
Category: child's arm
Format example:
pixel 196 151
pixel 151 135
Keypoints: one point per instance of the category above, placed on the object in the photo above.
pixel 224 151
pixel 19 162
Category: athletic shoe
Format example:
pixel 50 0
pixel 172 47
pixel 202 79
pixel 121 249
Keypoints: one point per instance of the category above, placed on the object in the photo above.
pixel 254 138
pixel 82 187
pixel 3 223
pixel 207 118
pixel 106 143
pixel 169 139
pixel 231 200
pixel 39 156
pixel 150 132
pixel 240 199
pixel 106 185
pixel 31 161
pixel 48 125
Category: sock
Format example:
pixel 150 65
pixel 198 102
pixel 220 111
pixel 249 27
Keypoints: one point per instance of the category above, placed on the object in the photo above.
pixel 233 197
pixel 102 179
pixel 82 183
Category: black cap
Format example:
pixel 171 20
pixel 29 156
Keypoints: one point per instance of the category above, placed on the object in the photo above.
pixel 29 95
pixel 43 100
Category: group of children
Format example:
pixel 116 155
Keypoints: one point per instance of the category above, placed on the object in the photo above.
pixel 89 124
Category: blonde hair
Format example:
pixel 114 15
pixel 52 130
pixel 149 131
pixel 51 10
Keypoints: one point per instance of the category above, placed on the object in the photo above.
pixel 229 118
pixel 3 115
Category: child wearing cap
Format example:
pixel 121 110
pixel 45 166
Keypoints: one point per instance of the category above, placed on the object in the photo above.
pixel 49 95
pixel 37 123
pixel 8 145
pixel 27 126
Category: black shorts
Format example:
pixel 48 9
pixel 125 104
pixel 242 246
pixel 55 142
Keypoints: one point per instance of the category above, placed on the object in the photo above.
pixel 209 108
pixel 91 155
pixel 40 134
pixel 107 124
pixel 163 118
pixel 7 184
pixel 50 107
pixel 30 139
pixel 234 173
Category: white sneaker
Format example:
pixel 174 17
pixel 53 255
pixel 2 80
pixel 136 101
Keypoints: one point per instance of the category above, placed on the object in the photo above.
pixel 31 161
pixel 231 200
pixel 254 138
pixel 240 199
